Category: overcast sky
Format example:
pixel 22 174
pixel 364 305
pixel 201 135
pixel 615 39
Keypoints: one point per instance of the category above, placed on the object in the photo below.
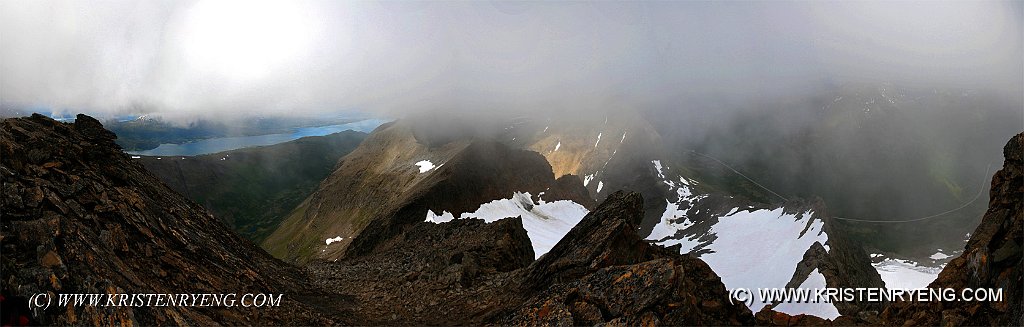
pixel 229 57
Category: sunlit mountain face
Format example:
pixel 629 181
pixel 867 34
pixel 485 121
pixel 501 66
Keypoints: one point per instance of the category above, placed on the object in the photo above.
pixel 510 163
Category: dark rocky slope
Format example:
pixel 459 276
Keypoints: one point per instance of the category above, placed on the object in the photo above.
pixel 603 272
pixel 80 217
pixel 253 189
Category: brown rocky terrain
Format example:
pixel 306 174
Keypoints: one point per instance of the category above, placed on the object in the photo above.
pixel 79 216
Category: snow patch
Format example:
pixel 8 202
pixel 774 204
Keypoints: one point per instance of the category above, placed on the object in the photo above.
pixel 545 222
pixel 600 185
pixel 939 255
pixel 444 217
pixel 824 310
pixel 587 179
pixel 900 273
pixel 332 240
pixel 668 227
pixel 425 166
pixel 559 145
pixel 657 165
pixel 598 140
pixel 136 157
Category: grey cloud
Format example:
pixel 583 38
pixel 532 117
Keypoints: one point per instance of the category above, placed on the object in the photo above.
pixel 397 57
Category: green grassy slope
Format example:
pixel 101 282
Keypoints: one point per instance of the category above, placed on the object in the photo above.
pixel 252 189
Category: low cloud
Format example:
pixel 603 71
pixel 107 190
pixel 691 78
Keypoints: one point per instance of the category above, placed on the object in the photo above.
pixel 227 58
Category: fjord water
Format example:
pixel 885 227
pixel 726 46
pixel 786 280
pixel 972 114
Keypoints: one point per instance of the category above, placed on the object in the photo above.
pixel 219 144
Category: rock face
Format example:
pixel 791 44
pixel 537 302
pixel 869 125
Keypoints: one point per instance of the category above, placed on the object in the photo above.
pixel 991 259
pixel 394 177
pixel 80 217
pixel 603 272
pixel 253 189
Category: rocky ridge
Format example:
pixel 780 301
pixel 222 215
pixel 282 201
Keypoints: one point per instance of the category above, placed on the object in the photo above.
pixel 80 217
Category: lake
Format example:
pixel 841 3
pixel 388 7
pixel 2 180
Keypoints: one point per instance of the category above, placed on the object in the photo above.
pixel 219 144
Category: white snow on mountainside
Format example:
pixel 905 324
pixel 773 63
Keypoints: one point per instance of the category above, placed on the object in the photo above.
pixel 545 222
pixel 748 248
pixel 751 249
pixel 901 273
pixel 425 166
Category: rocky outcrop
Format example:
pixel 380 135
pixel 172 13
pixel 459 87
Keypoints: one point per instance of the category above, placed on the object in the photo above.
pixel 432 274
pixel 844 264
pixel 80 217
pixel 603 272
pixel 991 259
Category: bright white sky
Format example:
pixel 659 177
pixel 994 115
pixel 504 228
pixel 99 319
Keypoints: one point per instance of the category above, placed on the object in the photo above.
pixel 231 57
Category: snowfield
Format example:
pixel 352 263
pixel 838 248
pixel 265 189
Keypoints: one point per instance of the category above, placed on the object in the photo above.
pixel 545 222
pixel 749 248
pixel 900 273
pixel 753 249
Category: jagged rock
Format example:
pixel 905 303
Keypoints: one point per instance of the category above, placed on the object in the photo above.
pixel 89 220
pixel 603 264
pixel 605 237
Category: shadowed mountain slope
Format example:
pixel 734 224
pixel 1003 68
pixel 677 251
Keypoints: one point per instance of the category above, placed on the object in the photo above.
pixel 253 189
pixel 394 178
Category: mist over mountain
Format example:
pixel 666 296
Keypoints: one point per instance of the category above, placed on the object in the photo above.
pixel 226 58
pixel 511 163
